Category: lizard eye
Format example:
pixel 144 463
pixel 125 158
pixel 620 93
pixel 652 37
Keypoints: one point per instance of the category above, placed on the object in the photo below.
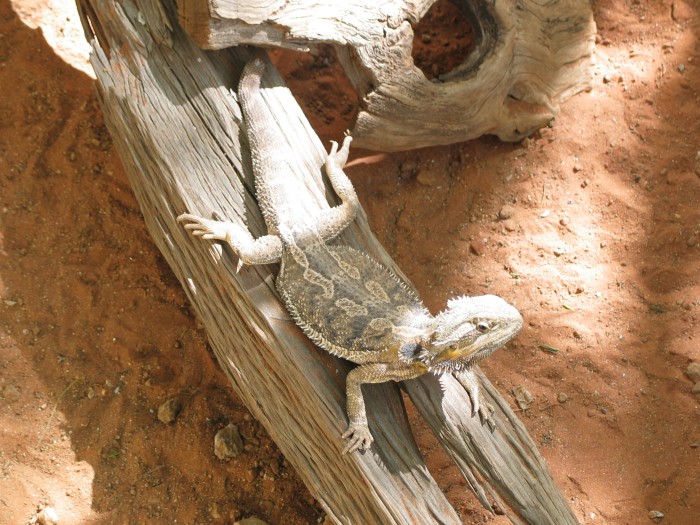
pixel 483 326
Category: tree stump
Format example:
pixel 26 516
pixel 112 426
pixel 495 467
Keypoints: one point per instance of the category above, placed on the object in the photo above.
pixel 176 123
pixel 526 59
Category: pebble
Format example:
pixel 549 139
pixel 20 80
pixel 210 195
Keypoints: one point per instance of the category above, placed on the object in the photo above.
pixel 523 397
pixel 656 515
pixel 168 411
pixel 46 516
pixel 506 212
pixel 562 398
pixel 11 394
pixel 477 247
pixel 253 520
pixel 693 372
pixel 510 225
pixel 692 241
pixel 228 442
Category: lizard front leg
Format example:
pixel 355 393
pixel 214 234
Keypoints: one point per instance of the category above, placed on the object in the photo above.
pixel 263 250
pixel 331 222
pixel 358 435
pixel 468 379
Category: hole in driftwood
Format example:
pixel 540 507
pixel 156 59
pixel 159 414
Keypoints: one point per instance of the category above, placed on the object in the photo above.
pixel 322 89
pixel 442 40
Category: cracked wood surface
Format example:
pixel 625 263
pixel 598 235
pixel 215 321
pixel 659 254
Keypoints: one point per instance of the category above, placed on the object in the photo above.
pixel 175 122
pixel 526 59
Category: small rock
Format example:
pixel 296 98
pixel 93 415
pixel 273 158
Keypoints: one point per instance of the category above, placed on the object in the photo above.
pixel 228 442
pixel 510 225
pixel 253 520
pixel 562 398
pixel 506 212
pixel 681 68
pixel 168 411
pixel 696 388
pixel 695 445
pixel 10 303
pixel 693 372
pixel 564 221
pixel 681 12
pixel 11 394
pixel 656 515
pixel 692 241
pixel 477 247
pixel 428 178
pixel 523 397
pixel 47 516
pixel 607 78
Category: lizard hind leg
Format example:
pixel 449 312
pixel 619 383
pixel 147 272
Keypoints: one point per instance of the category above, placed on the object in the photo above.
pixel 330 223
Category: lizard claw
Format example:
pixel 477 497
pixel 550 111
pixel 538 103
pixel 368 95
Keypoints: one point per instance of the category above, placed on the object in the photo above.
pixel 359 438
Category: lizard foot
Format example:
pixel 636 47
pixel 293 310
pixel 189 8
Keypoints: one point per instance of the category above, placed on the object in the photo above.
pixel 359 438
pixel 205 228
pixel 471 384
pixel 485 417
pixel 339 158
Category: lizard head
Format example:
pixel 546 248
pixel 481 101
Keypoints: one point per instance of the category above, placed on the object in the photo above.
pixel 467 331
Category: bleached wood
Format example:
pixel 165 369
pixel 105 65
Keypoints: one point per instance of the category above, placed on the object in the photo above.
pixel 175 123
pixel 528 57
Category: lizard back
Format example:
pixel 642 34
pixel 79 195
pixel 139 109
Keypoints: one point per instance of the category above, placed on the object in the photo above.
pixel 348 303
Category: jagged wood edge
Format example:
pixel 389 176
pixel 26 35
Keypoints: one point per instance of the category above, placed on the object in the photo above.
pixel 165 189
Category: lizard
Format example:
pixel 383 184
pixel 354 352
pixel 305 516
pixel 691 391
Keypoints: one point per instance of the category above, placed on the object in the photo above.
pixel 344 300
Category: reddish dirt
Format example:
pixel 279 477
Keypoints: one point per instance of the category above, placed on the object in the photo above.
pixel 598 244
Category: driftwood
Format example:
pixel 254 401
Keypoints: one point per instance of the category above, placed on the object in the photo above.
pixel 528 57
pixel 175 122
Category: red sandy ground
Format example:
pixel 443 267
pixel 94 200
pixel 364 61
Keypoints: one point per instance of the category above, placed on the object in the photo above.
pixel 600 253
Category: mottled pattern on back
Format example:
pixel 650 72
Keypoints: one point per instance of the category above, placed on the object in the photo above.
pixel 346 301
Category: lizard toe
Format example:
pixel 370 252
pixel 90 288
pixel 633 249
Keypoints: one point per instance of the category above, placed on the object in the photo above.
pixel 359 438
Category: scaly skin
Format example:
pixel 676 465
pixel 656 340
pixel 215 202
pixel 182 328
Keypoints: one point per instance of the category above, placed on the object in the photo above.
pixel 344 300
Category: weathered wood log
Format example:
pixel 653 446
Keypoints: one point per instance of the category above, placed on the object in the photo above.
pixel 175 123
pixel 528 57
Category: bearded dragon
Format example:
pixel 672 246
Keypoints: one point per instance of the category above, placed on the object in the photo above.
pixel 345 301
